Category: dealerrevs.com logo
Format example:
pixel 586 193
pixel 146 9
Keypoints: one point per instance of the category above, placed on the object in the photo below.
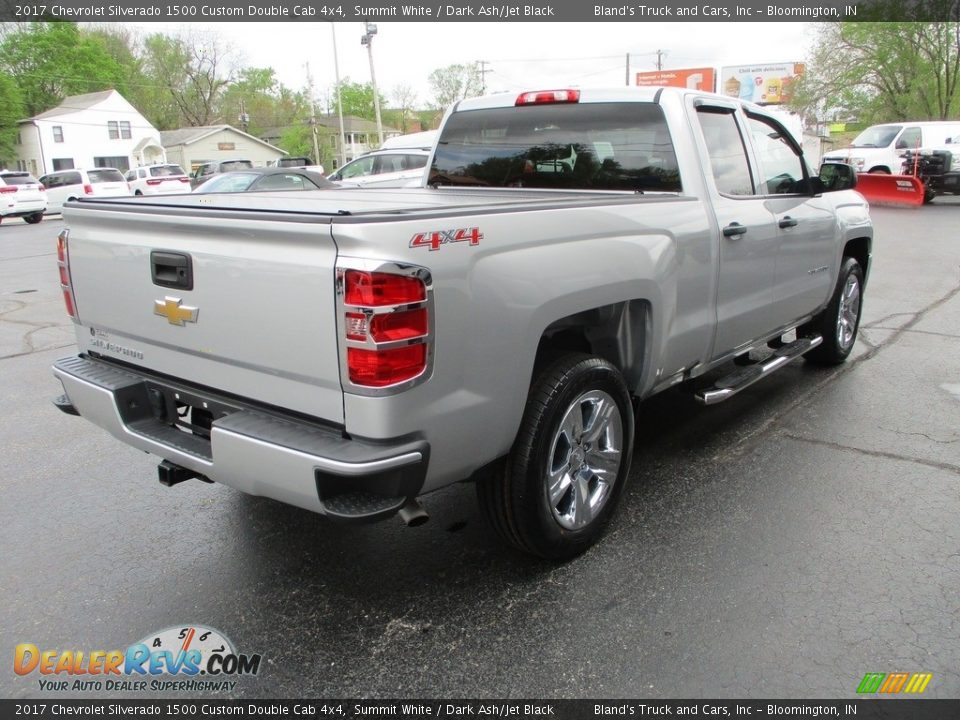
pixel 187 659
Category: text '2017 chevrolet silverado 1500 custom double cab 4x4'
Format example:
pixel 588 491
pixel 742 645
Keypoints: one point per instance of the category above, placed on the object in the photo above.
pixel 348 351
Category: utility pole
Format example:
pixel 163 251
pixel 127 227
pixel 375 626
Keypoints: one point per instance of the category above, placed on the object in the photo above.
pixel 483 76
pixel 336 73
pixel 244 118
pixel 628 69
pixel 313 117
pixel 367 39
pixel 660 54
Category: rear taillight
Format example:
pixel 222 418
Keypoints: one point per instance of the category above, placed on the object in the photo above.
pixel 374 289
pixel 184 179
pixel 548 97
pixel 8 189
pixel 154 182
pixel 42 188
pixel 88 189
pixel 380 368
pixel 386 326
pixel 63 265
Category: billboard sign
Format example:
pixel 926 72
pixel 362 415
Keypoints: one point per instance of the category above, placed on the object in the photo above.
pixel 692 78
pixel 764 84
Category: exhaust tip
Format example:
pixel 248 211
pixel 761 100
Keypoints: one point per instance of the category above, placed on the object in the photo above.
pixel 413 514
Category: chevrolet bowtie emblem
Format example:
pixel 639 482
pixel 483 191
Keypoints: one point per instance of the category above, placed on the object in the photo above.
pixel 174 312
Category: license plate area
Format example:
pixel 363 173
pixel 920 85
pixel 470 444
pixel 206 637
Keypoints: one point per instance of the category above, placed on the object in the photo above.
pixel 184 410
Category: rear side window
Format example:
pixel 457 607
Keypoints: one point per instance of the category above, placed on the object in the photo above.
pixel 388 164
pixel 590 146
pixel 412 162
pixel 106 175
pixel 236 182
pixel 728 155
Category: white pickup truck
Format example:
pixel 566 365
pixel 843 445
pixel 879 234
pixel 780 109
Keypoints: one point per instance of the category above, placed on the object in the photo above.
pixel 573 252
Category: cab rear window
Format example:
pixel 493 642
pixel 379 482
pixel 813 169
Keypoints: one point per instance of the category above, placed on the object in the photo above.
pixel 590 146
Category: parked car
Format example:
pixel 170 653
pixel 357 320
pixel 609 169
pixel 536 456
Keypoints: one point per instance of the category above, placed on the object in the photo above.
pixel 404 167
pixel 208 169
pixel 303 163
pixel 265 179
pixel 162 179
pixel 21 195
pixel 65 185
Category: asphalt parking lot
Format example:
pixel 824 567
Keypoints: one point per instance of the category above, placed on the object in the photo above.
pixel 781 544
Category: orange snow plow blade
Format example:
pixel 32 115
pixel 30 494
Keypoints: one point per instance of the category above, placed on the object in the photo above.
pixel 890 189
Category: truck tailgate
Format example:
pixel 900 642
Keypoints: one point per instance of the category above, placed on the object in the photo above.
pixel 258 321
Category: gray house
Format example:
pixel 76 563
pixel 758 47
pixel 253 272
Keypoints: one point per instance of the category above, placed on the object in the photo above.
pixel 189 147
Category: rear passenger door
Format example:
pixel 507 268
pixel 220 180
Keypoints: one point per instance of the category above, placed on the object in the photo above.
pixel 746 228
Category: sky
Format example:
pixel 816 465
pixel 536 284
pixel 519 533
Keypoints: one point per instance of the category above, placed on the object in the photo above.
pixel 519 56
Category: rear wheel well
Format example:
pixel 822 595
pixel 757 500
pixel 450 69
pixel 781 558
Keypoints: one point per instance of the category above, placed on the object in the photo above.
pixel 617 333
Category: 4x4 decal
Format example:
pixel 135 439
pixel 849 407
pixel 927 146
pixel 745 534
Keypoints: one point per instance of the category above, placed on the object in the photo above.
pixel 435 238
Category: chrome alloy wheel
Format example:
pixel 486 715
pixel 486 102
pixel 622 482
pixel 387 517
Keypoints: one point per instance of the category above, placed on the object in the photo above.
pixel 584 459
pixel 848 312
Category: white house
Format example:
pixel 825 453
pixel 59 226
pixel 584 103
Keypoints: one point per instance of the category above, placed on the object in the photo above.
pixel 98 129
pixel 192 146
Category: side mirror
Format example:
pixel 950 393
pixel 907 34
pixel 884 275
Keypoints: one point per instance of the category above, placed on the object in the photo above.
pixel 837 176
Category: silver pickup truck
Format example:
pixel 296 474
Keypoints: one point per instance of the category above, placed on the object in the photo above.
pixel 573 252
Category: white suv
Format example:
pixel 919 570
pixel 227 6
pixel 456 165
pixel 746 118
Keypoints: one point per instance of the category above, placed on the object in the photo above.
pixel 65 185
pixel 162 179
pixel 21 195
pixel 384 169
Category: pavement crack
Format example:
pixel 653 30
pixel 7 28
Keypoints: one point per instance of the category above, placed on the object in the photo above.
pixel 949 467
pixel 921 434
pixel 922 332
pixel 38 350
pixel 746 441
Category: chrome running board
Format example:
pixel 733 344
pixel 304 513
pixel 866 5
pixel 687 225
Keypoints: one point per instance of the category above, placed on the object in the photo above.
pixel 729 385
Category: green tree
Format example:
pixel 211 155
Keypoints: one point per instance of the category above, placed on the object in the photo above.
pixel 455 82
pixel 881 72
pixel 263 99
pixel 49 61
pixel 190 75
pixel 405 98
pixel 297 140
pixel 11 110
pixel 357 99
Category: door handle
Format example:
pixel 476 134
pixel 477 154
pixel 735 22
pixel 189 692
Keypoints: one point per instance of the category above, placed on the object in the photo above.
pixel 787 221
pixel 734 229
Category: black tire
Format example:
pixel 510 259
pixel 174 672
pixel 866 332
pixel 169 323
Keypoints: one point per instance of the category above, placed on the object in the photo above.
pixel 928 195
pixel 516 500
pixel 137 192
pixel 838 337
pixel 34 219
